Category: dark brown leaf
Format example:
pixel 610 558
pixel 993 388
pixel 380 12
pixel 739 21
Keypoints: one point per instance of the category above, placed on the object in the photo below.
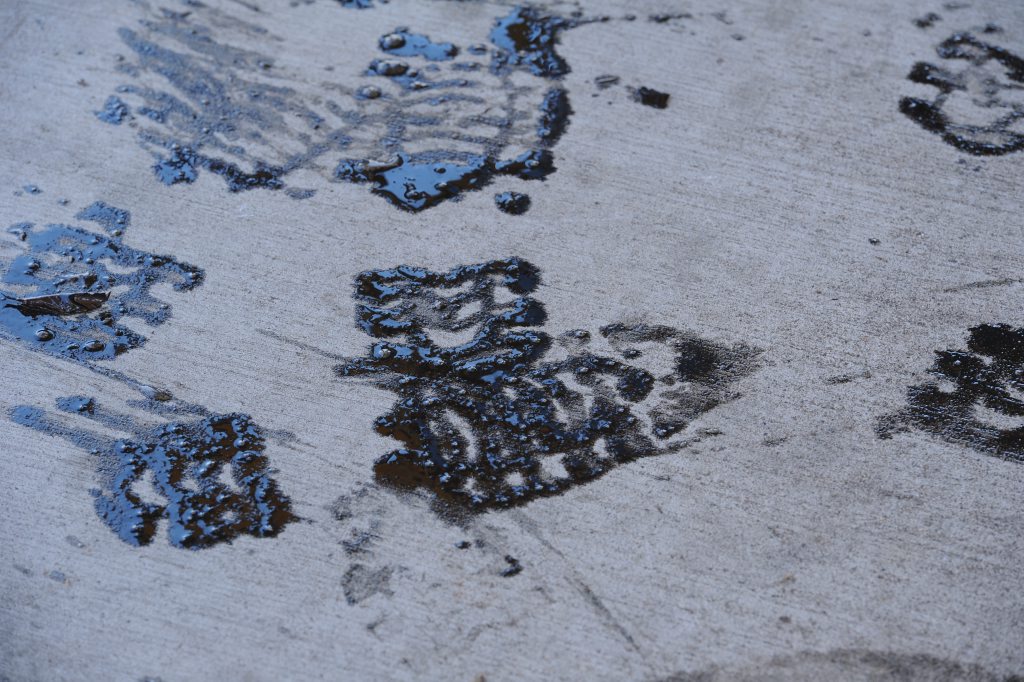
pixel 60 304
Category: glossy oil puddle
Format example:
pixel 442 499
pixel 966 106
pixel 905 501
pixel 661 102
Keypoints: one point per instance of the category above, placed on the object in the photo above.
pixel 505 413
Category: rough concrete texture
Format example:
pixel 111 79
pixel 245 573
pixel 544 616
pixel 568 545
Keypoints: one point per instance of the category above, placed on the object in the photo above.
pixel 781 200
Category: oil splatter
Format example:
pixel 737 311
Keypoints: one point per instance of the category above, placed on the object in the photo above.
pixel 205 475
pixel 990 84
pixel 651 97
pixel 67 289
pixel 505 414
pixel 512 203
pixel 978 400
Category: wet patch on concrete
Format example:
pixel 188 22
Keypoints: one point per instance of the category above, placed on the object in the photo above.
pixel 68 289
pixel 203 476
pixel 979 106
pixel 977 398
pixel 493 412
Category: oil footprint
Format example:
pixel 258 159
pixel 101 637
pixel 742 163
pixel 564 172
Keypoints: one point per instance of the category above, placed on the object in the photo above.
pixel 979 106
pixel 493 412
pixel 977 398
pixel 204 476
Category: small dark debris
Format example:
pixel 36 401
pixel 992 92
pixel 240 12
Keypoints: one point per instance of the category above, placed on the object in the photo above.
pixel 32 189
pixel 605 81
pixel 465 544
pixel 927 21
pixel 873 241
pixel 651 98
pixel 514 567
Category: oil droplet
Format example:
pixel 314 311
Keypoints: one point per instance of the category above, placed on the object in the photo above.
pixel 512 203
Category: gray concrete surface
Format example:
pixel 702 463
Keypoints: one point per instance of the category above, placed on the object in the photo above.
pixel 795 544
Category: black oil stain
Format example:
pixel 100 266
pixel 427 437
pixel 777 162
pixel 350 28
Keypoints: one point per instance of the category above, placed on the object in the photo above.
pixel 990 83
pixel 651 97
pixel 493 419
pixel 68 289
pixel 513 203
pixel 204 475
pixel 981 404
